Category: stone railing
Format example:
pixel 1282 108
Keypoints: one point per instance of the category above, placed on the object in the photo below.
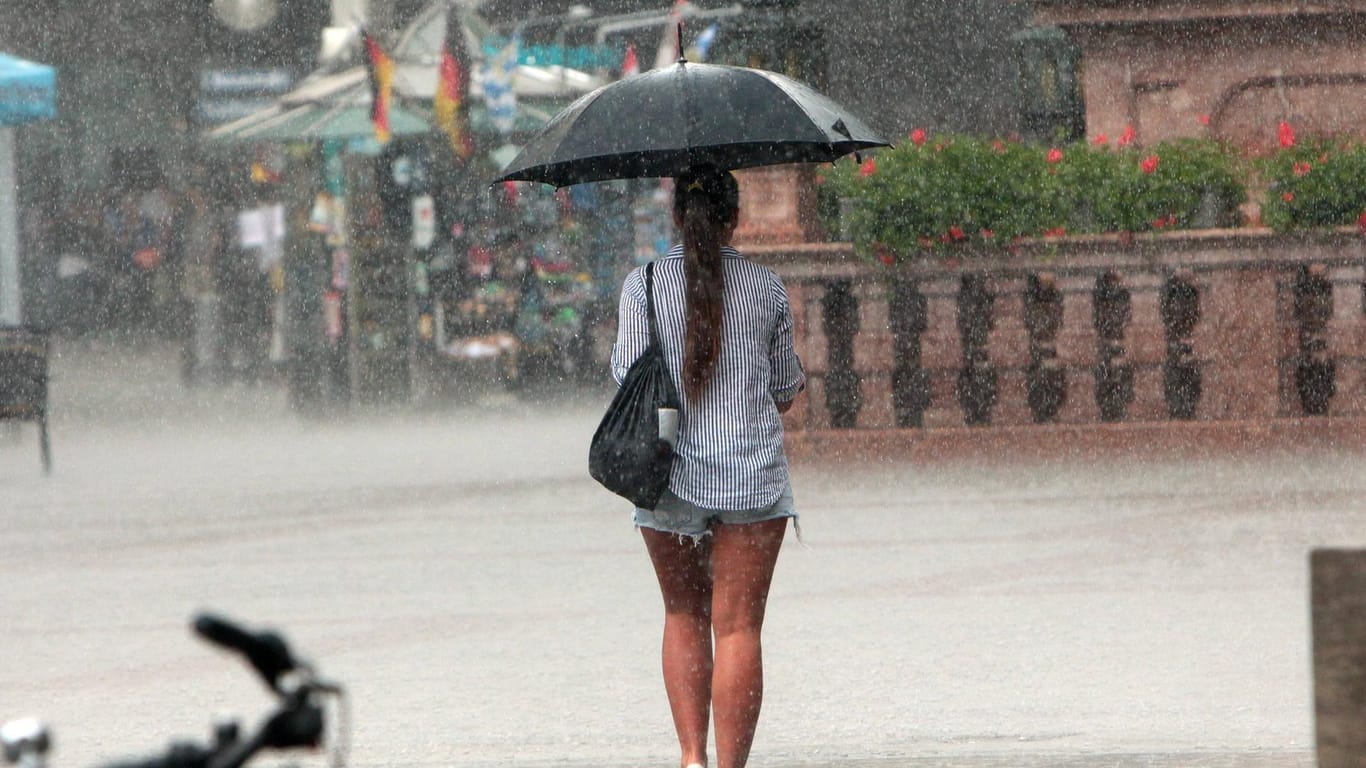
pixel 1208 326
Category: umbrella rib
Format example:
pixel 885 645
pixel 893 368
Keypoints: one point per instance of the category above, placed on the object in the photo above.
pixel 272 121
pixel 331 112
pixel 243 123
pixel 689 119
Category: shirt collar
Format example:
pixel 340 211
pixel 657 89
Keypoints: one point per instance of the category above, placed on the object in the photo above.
pixel 727 252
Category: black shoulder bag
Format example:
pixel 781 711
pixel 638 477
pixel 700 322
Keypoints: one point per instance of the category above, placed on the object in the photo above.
pixel 627 454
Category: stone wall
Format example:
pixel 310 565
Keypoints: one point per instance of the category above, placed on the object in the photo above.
pixel 1211 326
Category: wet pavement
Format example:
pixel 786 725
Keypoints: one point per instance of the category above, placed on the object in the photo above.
pixel 486 604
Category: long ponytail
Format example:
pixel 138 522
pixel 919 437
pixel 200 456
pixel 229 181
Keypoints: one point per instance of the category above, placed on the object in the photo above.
pixel 706 201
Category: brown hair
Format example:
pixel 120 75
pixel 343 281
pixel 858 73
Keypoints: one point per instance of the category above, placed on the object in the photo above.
pixel 706 201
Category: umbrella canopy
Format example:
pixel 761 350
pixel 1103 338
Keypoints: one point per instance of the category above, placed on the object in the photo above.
pixel 319 121
pixel 664 121
pixel 28 91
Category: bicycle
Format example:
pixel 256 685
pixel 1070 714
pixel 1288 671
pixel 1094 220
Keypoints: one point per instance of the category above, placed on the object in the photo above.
pixel 298 722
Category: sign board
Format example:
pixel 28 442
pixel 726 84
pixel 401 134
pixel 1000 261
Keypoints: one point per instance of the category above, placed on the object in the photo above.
pixel 229 94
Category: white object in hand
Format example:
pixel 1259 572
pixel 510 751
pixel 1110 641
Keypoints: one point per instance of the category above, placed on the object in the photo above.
pixel 668 426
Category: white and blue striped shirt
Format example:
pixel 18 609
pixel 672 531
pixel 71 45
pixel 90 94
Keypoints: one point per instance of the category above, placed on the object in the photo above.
pixel 730 444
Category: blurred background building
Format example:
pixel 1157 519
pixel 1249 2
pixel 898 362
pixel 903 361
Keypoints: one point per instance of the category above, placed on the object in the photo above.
pixel 114 218
pixel 141 79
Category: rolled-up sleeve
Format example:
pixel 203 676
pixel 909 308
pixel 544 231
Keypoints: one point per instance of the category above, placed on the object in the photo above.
pixel 788 377
pixel 633 327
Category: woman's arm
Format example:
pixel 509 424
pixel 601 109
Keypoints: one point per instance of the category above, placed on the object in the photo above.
pixel 633 326
pixel 788 377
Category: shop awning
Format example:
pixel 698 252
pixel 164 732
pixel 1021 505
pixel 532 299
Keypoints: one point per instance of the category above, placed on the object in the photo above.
pixel 28 91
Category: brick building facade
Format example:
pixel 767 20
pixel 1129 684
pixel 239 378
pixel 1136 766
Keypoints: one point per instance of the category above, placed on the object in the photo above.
pixel 1232 70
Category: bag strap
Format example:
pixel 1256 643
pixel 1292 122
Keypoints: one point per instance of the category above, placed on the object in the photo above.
pixel 650 302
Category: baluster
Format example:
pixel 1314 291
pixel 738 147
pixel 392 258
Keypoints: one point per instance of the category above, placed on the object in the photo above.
pixel 1045 380
pixel 843 394
pixel 908 312
pixel 1315 369
pixel 977 378
pixel 1182 380
pixel 1111 311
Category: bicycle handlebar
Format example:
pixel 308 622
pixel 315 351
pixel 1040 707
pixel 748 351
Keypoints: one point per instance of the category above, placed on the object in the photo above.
pixel 298 721
pixel 265 651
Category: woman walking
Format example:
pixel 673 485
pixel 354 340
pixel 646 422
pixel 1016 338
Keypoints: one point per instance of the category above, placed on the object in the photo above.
pixel 726 331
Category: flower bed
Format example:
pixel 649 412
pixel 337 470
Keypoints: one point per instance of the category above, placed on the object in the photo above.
pixel 953 192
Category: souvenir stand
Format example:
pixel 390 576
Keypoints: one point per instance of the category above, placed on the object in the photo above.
pixel 346 265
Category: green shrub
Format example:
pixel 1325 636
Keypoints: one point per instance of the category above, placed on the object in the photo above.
pixel 1181 184
pixel 1315 184
pixel 954 191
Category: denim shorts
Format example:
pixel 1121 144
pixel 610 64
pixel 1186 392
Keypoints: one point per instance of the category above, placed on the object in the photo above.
pixel 674 515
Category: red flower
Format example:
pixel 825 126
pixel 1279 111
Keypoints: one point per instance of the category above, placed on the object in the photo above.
pixel 1302 168
pixel 988 234
pixel 1055 232
pixel 1289 197
pixel 918 137
pixel 1286 135
pixel 1055 155
pixel 1361 222
pixel 956 233
pixel 1204 120
pixel 1159 223
pixel 998 147
pixel 1127 138
pixel 1100 140
pixel 884 254
pixel 1148 164
pixel 868 168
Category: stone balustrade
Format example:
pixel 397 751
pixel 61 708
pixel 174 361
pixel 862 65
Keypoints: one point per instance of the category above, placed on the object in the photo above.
pixel 1206 326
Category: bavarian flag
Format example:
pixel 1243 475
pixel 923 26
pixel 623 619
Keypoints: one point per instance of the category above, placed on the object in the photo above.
pixel 381 70
pixel 449 102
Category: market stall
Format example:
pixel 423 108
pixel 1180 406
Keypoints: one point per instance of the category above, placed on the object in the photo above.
pixel 28 93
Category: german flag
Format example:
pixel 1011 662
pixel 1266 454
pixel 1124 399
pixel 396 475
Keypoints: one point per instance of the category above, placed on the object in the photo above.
pixel 452 86
pixel 381 70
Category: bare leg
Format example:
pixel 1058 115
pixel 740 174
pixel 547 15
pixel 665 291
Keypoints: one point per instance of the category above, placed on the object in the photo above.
pixel 685 585
pixel 743 558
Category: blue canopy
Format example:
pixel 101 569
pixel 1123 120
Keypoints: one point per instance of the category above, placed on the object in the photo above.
pixel 28 91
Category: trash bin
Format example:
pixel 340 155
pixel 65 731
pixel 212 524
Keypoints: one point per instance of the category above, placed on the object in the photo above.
pixel 23 381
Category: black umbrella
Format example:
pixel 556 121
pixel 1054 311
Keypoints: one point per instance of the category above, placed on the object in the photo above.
pixel 664 121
